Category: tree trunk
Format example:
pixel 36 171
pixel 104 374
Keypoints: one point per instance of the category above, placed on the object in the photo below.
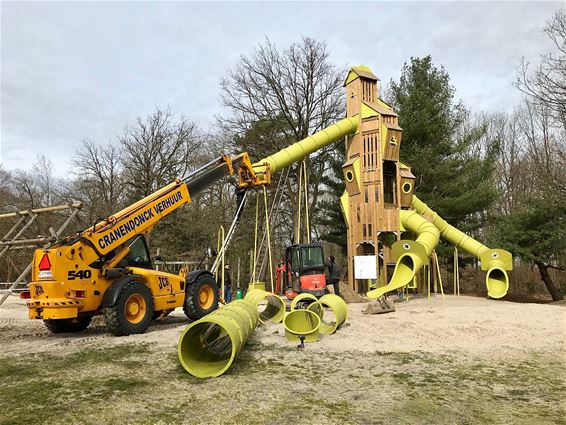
pixel 545 276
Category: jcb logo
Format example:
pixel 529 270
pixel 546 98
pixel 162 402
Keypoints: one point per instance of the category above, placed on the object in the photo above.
pixel 163 282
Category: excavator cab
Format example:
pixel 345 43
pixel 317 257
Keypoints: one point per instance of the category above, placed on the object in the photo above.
pixel 305 264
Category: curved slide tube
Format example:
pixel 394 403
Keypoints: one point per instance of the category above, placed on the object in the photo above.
pixel 207 347
pixel 339 309
pixel 273 311
pixel 411 255
pixel 495 262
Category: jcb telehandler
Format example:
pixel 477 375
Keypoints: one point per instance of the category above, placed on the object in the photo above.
pixel 107 270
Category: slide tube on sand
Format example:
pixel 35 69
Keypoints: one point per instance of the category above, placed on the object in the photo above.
pixel 208 347
pixel 302 323
pixel 273 311
pixel 339 309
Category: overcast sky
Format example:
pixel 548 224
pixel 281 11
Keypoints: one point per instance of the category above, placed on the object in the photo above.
pixel 71 71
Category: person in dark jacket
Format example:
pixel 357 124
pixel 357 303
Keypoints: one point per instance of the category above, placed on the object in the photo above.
pixel 334 274
pixel 227 284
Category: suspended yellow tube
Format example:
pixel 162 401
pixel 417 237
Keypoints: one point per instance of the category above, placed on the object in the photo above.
pixel 494 261
pixel 308 145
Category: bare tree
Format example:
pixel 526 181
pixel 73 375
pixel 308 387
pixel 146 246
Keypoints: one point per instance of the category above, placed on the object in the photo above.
pixel 36 188
pixel 157 150
pixel 7 197
pixel 99 182
pixel 548 82
pixel 277 97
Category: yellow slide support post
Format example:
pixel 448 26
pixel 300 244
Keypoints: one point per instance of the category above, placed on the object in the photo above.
pixel 207 347
pixel 411 255
pixel 495 262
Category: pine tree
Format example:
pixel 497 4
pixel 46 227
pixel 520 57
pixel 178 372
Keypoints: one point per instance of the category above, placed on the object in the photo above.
pixel 448 153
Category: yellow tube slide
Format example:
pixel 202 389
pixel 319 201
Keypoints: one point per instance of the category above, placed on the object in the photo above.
pixel 297 151
pixel 411 255
pixel 494 261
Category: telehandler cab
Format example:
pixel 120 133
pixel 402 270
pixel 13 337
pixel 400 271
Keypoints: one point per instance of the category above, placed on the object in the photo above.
pixel 107 269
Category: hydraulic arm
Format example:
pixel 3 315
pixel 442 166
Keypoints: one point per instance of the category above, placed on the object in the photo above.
pixel 140 217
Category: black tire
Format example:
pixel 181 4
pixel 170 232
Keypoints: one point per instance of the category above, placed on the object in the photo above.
pixel 192 306
pixel 59 326
pixel 116 318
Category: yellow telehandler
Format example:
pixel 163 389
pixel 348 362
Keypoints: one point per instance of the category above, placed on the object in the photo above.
pixel 107 269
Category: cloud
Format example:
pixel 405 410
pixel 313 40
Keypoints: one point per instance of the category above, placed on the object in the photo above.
pixel 84 70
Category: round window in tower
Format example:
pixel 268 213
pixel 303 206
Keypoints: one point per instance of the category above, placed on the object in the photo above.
pixel 407 187
pixel 349 176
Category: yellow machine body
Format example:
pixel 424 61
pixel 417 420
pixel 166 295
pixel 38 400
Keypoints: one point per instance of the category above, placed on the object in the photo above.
pixel 73 284
pixel 84 274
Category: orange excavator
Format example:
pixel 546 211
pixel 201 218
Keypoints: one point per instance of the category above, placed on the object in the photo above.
pixel 303 271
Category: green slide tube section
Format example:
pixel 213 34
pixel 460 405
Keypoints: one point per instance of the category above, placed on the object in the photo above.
pixel 302 297
pixel 317 308
pixel 207 347
pixel 411 255
pixel 271 306
pixel 297 151
pixel 495 262
pixel 307 301
pixel 302 323
pixel 339 309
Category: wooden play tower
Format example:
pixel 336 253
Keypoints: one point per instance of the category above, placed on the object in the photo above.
pixel 377 184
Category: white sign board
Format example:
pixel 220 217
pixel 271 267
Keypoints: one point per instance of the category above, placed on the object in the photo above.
pixel 365 267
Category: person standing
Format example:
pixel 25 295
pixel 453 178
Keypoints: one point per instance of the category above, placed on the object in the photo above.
pixel 333 274
pixel 227 285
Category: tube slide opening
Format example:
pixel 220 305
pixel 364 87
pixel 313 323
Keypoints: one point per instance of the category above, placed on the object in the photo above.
pixel 206 350
pixel 317 308
pixel 405 270
pixel 301 299
pixel 328 324
pixel 302 323
pixel 335 314
pixel 497 282
pixel 274 309
pixel 271 307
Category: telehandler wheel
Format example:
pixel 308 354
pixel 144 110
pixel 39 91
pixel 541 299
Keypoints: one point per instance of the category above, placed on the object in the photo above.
pixel 132 312
pixel 59 326
pixel 201 297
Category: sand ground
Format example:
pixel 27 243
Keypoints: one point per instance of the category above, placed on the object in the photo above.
pixel 461 360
